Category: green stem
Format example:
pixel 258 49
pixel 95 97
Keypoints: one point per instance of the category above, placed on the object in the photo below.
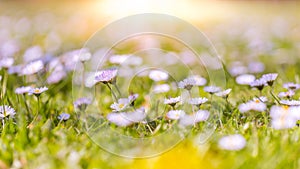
pixel 114 95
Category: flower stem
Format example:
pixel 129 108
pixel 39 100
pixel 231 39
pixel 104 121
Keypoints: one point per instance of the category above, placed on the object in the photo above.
pixel 114 95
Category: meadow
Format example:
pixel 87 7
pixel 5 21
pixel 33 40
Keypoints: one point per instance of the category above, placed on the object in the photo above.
pixel 76 96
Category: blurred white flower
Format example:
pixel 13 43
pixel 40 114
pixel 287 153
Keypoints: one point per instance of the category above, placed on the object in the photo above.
pixel 287 94
pixel 290 102
pixel 86 56
pixel 56 77
pixel 172 101
pixel 232 142
pixel 198 101
pixel 120 105
pixel 6 62
pixel 126 60
pixel 6 111
pixel 15 69
pixel 194 80
pixel 119 119
pixel 82 103
pixel 37 91
pixel 252 105
pixel 223 93
pixel 123 119
pixel 23 89
pixel 291 86
pixel 163 88
pixel 175 114
pixel 158 75
pixel 33 68
pixel 270 78
pixel 187 120
pixel 256 67
pixel 245 79
pixel 283 123
pixel 258 83
pixel 199 81
pixel 238 70
pixel 284 117
pixel 106 76
pixel 212 89
pixel 32 53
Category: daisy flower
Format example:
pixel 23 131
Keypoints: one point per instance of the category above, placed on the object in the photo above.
pixel 245 79
pixel 287 94
pixel 63 116
pixel 23 89
pixel 284 117
pixel 163 88
pixel 212 89
pixel 223 93
pixel 175 114
pixel 56 77
pixel 106 76
pixel 258 83
pixel 291 86
pixel 86 56
pixel 199 81
pixel 82 103
pixel 126 59
pixel 232 142
pixel 290 102
pixel 270 78
pixel 37 91
pixel 15 69
pixel 6 111
pixel 187 120
pixel 119 119
pixel 238 70
pixel 252 105
pixel 283 123
pixel 120 105
pixel 198 101
pixel 132 98
pixel 6 62
pixel 284 112
pixel 118 59
pixel 256 67
pixel 201 115
pixel 158 75
pixel 191 81
pixel 33 68
pixel 137 116
pixel 172 101
pixel 260 99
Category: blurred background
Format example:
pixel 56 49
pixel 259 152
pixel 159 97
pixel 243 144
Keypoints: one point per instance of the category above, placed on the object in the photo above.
pixel 56 22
